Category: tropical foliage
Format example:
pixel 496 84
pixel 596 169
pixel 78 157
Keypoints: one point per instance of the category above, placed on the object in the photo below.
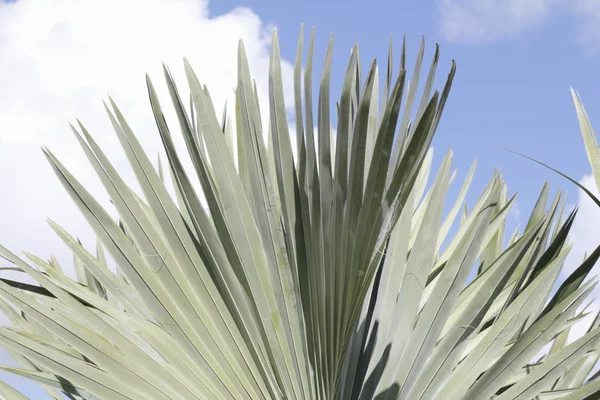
pixel 328 272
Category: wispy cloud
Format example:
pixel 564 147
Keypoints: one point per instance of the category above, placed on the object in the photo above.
pixel 589 26
pixel 487 20
pixel 481 21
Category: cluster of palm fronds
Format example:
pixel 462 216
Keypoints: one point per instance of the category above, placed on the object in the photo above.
pixel 329 274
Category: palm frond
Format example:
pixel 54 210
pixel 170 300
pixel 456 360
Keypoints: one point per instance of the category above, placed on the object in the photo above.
pixel 328 272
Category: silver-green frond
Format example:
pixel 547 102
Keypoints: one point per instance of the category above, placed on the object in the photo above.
pixel 328 272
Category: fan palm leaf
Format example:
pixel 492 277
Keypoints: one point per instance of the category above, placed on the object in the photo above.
pixel 324 272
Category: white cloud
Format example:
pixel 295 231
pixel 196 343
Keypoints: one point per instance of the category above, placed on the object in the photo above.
pixel 59 59
pixel 585 236
pixel 480 21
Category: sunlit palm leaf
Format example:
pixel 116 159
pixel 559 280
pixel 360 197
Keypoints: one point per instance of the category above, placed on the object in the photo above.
pixel 325 273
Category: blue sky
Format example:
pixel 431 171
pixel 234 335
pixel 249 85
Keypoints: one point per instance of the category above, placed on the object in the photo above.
pixel 516 61
pixel 510 90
